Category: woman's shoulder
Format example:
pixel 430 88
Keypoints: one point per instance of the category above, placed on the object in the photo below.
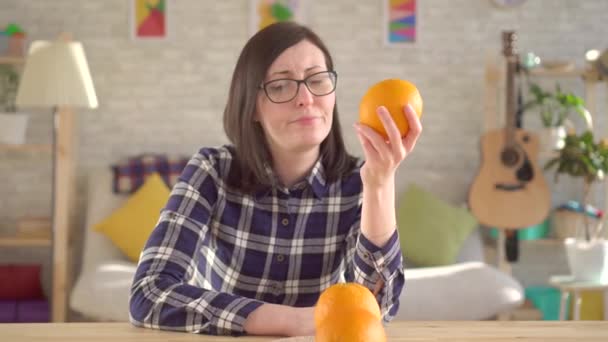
pixel 215 154
pixel 215 161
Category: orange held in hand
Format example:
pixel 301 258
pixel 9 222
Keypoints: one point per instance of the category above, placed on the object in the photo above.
pixel 348 312
pixel 394 94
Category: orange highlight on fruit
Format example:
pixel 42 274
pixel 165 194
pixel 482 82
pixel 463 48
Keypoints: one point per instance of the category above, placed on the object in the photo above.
pixel 394 94
pixel 348 312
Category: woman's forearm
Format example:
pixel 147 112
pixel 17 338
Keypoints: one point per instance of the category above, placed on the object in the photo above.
pixel 274 319
pixel 378 220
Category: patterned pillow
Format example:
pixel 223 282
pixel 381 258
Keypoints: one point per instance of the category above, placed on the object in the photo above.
pixel 130 174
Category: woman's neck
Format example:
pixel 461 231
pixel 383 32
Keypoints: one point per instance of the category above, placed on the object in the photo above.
pixel 291 167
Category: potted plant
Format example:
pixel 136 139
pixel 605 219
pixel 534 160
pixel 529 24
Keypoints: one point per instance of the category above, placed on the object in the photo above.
pixel 12 124
pixel 582 157
pixel 554 109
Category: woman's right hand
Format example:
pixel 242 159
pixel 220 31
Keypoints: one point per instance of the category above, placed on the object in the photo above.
pixel 274 319
pixel 302 322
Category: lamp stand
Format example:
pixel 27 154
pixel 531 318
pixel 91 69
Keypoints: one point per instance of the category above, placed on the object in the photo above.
pixel 64 144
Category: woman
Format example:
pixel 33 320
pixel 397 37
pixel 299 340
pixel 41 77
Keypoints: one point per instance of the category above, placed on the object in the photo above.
pixel 253 232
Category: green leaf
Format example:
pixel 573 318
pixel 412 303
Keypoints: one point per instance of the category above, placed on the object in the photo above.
pixel 281 12
pixel 551 163
pixel 556 106
pixel 582 157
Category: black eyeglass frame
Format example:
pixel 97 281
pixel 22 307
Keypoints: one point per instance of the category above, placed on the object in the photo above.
pixel 304 80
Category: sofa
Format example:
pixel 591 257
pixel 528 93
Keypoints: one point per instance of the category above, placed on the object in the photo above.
pixel 467 290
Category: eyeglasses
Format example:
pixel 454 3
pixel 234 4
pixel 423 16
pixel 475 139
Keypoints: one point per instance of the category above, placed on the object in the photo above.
pixel 286 89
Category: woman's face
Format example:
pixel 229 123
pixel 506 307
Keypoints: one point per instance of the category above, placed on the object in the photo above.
pixel 301 124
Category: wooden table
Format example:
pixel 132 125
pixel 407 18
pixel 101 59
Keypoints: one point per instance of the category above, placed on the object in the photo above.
pixel 397 331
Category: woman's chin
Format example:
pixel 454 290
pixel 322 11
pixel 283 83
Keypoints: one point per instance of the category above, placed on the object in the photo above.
pixel 307 144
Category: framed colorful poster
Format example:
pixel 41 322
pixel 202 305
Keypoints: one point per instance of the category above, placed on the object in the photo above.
pixel 399 21
pixel 148 19
pixel 266 12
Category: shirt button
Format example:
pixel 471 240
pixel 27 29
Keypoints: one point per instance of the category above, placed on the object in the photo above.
pixel 285 221
pixel 280 258
pixel 276 289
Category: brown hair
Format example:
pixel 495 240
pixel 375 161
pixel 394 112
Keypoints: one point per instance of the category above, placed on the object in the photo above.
pixel 248 172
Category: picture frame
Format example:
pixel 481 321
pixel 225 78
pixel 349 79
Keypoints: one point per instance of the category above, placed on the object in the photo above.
pixel 399 22
pixel 149 20
pixel 265 12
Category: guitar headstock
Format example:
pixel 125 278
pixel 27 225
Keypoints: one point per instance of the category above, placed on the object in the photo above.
pixel 508 43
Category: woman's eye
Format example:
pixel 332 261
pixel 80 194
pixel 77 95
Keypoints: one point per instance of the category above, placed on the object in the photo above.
pixel 276 88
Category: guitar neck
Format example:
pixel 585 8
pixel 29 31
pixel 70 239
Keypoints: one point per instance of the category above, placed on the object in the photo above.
pixel 511 57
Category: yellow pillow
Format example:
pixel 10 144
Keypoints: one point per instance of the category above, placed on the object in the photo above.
pixel 130 225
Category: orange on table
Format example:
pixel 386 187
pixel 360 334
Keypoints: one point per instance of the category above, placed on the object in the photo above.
pixel 394 94
pixel 356 326
pixel 347 308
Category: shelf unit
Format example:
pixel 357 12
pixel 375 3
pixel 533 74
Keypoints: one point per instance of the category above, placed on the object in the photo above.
pixel 23 240
pixel 57 239
pixel 493 111
pixel 27 148
pixel 494 88
pixel 12 60
pixel 544 72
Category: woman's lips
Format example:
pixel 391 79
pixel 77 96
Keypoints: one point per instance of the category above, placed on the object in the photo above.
pixel 306 120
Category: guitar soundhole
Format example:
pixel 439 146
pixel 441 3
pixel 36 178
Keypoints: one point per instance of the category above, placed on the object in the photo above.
pixel 509 157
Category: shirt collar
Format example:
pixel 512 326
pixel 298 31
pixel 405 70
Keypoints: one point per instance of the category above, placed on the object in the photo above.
pixel 316 179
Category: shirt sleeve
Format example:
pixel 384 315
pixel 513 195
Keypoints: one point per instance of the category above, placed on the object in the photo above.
pixel 162 295
pixel 371 264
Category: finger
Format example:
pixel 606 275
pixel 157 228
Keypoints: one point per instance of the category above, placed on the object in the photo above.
pixel 368 150
pixel 415 128
pixel 375 139
pixel 394 136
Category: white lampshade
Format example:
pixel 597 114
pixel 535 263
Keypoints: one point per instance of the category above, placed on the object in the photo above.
pixel 56 73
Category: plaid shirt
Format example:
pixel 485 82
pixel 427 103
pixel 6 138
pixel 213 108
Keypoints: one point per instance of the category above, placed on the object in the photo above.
pixel 217 254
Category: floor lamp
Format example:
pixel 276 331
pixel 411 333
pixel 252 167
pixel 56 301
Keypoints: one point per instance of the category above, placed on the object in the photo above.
pixel 56 75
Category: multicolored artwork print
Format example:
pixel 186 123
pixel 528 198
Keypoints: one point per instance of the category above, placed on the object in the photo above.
pixel 400 21
pixel 149 19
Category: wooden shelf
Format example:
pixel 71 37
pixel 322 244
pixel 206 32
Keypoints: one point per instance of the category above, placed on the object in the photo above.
pixel 33 240
pixel 544 242
pixel 543 72
pixel 11 60
pixel 27 147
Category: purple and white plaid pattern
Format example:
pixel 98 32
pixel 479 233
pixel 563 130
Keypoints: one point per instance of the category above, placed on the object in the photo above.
pixel 130 174
pixel 216 254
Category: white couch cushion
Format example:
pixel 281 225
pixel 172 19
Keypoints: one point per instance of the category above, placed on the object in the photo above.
pixel 102 288
pixel 103 293
pixel 464 291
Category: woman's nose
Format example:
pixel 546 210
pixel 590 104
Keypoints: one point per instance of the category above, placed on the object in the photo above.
pixel 304 96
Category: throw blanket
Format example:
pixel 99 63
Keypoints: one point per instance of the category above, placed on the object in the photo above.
pixel 129 174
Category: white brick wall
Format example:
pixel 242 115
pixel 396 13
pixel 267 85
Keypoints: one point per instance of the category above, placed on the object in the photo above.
pixel 169 96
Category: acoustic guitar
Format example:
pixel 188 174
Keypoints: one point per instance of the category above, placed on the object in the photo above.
pixel 509 191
